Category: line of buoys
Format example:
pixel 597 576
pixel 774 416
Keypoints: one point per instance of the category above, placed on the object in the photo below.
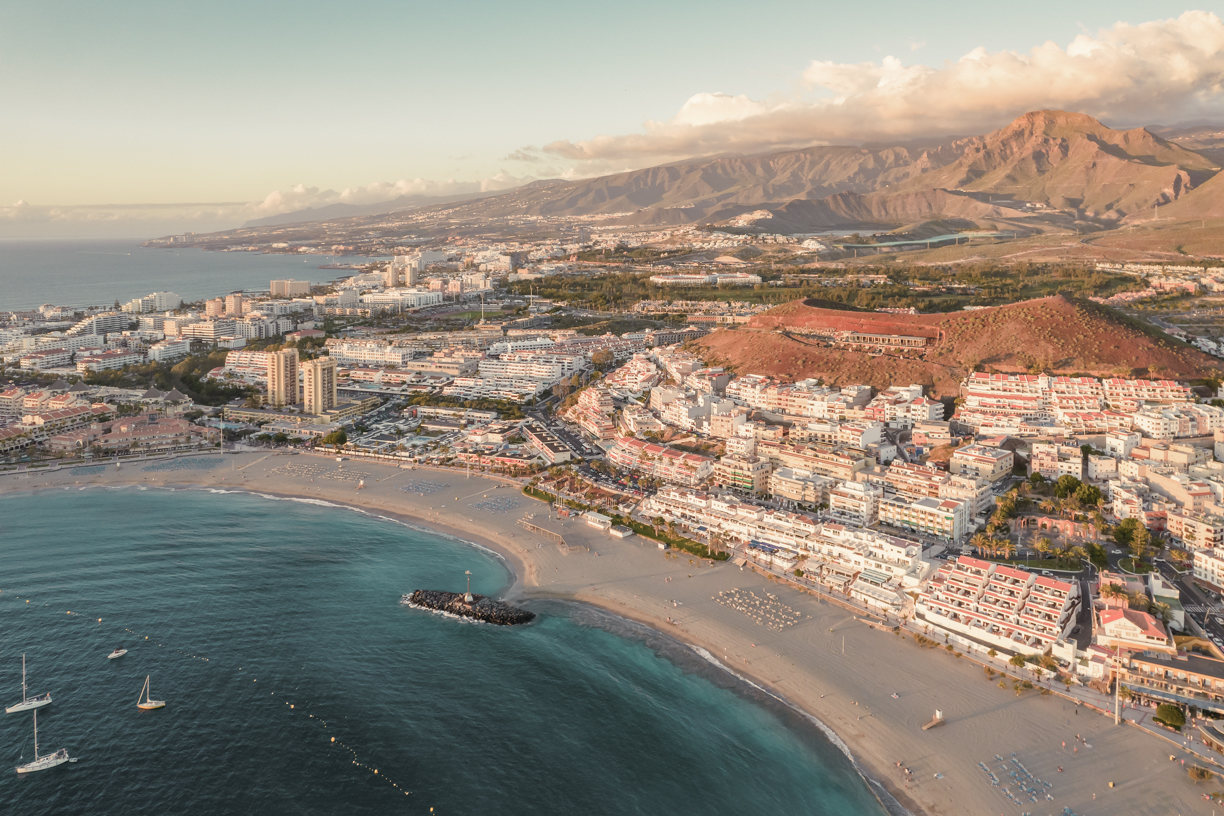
pixel 292 706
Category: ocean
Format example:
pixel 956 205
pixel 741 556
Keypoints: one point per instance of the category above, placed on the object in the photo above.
pixel 272 627
pixel 93 272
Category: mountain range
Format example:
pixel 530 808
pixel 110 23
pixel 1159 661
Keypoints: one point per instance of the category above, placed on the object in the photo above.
pixel 1045 169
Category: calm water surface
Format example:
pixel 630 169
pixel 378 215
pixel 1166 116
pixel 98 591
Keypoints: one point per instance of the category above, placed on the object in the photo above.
pixel 298 603
pixel 95 272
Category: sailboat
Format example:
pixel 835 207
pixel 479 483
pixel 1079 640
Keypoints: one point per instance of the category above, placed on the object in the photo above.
pixel 148 704
pixel 28 703
pixel 44 762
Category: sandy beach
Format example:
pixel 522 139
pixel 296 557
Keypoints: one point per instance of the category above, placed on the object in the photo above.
pixel 815 655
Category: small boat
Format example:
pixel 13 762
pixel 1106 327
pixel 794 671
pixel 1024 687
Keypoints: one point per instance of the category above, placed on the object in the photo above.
pixel 148 704
pixel 28 703
pixel 116 653
pixel 44 762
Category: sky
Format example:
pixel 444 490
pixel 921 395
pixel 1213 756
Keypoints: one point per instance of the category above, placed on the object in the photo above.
pixel 141 118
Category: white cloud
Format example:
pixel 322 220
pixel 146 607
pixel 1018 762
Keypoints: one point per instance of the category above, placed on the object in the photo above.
pixel 1166 71
pixel 301 197
pixel 30 220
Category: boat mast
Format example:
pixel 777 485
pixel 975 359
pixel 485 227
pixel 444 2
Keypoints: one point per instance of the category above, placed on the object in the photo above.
pixel 23 686
pixel 36 735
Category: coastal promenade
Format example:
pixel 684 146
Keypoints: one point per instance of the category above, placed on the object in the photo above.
pixel 814 654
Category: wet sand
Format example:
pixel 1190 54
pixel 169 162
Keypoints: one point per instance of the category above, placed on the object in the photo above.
pixel 815 655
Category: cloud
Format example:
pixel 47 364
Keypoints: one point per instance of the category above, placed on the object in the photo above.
pixel 523 154
pixel 1166 71
pixel 301 197
pixel 23 219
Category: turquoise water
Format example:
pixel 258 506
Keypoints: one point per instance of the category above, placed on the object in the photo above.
pixel 250 604
pixel 96 272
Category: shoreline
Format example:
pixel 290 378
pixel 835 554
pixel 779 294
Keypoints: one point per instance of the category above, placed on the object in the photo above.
pixel 632 580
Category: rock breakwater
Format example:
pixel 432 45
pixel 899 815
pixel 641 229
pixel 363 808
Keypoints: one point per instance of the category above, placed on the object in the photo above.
pixel 482 607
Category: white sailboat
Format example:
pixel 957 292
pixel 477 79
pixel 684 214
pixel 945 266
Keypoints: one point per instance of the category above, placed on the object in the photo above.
pixel 44 762
pixel 147 704
pixel 28 703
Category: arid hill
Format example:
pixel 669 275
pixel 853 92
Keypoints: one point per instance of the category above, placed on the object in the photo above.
pixel 1046 173
pixel 1070 161
pixel 1057 334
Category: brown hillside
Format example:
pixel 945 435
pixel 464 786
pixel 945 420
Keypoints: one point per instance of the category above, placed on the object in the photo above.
pixel 1203 202
pixel 1072 161
pixel 1059 334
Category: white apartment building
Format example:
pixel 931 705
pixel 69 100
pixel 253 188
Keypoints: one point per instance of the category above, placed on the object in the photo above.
pixel 1179 421
pixel 110 360
pixel 1209 567
pixel 1119 444
pixel 1053 460
pixel 900 559
pixel 981 462
pixel 746 473
pixel 802 486
pixel 368 353
pixel 48 358
pixel 856 502
pixel 168 350
pixel 977 493
pixel 660 461
pixel 289 288
pixel 499 388
pixel 1195 531
pixel 211 330
pixel 401 299
pixel 940 518
pixel 985 605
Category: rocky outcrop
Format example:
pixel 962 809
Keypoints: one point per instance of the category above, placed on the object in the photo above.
pixel 482 607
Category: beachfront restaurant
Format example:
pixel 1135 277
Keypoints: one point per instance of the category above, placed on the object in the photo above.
pixel 1185 679
pixel 878 589
pixel 770 555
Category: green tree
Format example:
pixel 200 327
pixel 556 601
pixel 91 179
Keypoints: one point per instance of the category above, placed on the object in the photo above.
pixel 1043 545
pixel 1066 485
pixel 1124 532
pixel 1017 660
pixel 1141 543
pixel 1088 495
pixel 337 437
pixel 1170 715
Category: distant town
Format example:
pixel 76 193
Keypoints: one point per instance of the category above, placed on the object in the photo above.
pixel 1073 523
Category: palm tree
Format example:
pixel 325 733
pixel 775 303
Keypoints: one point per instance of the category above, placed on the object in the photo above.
pixel 1043 545
pixel 978 543
pixel 1006 547
pixel 1113 591
pixel 1162 611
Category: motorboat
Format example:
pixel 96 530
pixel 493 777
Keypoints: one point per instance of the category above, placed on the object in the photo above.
pixel 116 653
pixel 144 702
pixel 42 763
pixel 28 703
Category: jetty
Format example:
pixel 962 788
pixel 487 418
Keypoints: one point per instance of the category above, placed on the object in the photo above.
pixel 476 607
